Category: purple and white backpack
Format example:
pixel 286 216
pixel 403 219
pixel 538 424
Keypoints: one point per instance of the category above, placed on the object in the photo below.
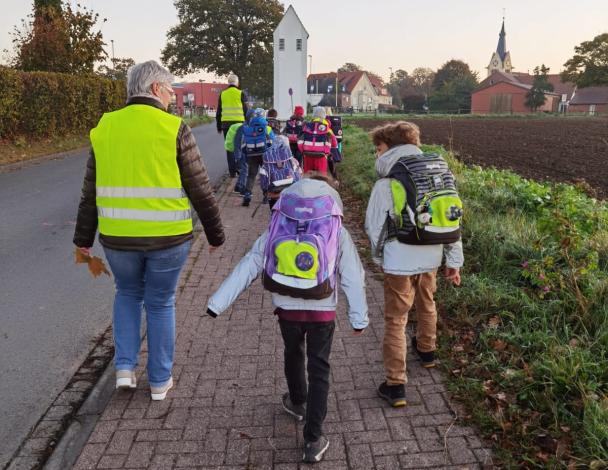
pixel 279 168
pixel 301 253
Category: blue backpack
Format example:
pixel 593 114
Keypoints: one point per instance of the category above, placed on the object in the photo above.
pixel 255 137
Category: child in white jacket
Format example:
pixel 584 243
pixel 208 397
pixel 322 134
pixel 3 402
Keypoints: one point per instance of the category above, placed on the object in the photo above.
pixel 309 322
pixel 410 271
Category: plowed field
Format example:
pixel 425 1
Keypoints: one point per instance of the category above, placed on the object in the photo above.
pixel 566 150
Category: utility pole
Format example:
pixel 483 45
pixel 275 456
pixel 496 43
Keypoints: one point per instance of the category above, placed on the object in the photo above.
pixel 337 89
pixel 113 60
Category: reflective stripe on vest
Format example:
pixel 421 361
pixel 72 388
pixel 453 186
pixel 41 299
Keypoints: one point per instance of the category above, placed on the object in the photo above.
pixel 135 214
pixel 138 183
pixel 122 192
pixel 232 105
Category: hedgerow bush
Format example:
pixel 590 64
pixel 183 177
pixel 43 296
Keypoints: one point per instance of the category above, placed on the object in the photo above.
pixel 525 339
pixel 45 104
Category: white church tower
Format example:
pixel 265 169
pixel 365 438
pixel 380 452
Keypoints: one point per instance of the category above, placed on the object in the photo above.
pixel 290 53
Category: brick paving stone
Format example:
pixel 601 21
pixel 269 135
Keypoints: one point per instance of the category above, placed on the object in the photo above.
pixel 224 411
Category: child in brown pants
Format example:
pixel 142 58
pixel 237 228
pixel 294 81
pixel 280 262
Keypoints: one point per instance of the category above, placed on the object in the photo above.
pixel 410 270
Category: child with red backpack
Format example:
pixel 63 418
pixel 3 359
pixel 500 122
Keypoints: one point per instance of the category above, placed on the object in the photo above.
pixel 293 129
pixel 316 142
pixel 303 257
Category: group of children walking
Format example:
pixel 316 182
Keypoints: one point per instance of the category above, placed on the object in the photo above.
pixel 413 222
pixel 260 145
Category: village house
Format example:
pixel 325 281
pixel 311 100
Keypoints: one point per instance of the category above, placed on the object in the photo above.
pixel 361 91
pixel 504 91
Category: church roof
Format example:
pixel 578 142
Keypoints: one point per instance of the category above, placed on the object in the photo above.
pixel 502 43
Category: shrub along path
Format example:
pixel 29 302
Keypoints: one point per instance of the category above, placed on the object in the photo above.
pixel 225 412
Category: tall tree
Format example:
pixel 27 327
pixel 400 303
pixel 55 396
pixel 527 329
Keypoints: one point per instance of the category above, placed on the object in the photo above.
pixel 223 37
pixel 422 80
pixel 452 87
pixel 535 97
pixel 589 66
pixel 350 67
pixel 451 70
pixel 399 80
pixel 119 69
pixel 58 39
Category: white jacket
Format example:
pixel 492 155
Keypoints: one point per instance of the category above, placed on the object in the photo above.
pixel 396 257
pixel 351 276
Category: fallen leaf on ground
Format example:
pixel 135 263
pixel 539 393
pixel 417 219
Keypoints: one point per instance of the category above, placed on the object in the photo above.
pixel 499 345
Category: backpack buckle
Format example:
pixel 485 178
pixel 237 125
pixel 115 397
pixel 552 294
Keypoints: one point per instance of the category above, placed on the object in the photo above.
pixel 301 226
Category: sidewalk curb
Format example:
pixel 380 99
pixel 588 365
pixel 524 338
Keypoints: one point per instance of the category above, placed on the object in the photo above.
pixel 71 443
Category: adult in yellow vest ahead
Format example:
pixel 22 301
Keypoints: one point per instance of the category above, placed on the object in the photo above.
pixel 231 109
pixel 144 169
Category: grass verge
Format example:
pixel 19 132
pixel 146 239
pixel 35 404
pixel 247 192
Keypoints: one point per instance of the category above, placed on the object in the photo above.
pixel 524 340
pixel 22 149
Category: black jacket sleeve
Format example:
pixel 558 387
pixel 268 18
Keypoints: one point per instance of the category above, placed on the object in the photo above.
pixel 195 182
pixel 218 114
pixel 86 221
pixel 244 101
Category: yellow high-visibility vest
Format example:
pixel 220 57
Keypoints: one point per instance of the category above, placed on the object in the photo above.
pixel 232 105
pixel 139 189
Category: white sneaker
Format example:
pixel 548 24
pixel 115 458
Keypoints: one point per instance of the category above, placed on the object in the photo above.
pixel 159 393
pixel 125 379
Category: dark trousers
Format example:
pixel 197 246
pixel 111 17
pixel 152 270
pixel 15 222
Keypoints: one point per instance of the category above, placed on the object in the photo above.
pixel 296 152
pixel 253 166
pixel 318 338
pixel 232 169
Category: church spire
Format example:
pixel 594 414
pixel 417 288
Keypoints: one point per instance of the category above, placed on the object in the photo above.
pixel 502 42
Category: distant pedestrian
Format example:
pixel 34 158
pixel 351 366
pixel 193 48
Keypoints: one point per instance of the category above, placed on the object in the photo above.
pixel 293 129
pixel 303 257
pixel 273 121
pixel 144 171
pixel 231 109
pixel 316 142
pixel 412 220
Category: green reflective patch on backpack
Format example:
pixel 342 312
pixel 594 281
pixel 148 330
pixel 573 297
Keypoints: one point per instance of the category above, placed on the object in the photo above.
pixel 399 200
pixel 297 259
pixel 444 207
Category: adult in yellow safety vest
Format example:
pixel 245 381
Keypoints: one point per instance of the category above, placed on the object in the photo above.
pixel 143 172
pixel 231 109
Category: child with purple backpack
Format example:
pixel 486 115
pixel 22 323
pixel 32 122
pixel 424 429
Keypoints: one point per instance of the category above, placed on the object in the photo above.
pixel 279 169
pixel 303 257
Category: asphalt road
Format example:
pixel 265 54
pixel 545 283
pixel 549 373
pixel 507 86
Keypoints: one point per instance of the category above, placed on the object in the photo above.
pixel 51 310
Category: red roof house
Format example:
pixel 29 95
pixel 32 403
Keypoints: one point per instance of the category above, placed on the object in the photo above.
pixel 504 93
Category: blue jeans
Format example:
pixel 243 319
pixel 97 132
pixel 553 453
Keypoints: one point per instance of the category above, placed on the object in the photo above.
pixel 146 279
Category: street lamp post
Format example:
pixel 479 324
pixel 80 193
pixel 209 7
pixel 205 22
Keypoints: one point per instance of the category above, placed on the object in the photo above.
pixel 113 60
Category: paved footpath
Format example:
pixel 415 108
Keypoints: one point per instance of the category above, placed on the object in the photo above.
pixel 225 413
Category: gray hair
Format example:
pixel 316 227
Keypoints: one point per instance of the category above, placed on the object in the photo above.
pixel 319 112
pixel 140 78
pixel 233 79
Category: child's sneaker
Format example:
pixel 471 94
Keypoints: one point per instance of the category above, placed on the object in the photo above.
pixel 297 411
pixel 393 394
pixel 427 358
pixel 313 451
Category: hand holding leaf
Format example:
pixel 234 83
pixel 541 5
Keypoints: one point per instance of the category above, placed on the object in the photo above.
pixel 95 263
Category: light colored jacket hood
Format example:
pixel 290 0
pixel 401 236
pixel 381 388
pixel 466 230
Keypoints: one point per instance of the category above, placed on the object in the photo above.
pixel 396 257
pixel 351 275
pixel 390 157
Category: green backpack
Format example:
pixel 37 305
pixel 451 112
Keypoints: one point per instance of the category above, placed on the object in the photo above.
pixel 427 206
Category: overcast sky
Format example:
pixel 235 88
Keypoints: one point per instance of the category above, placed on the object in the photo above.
pixel 378 34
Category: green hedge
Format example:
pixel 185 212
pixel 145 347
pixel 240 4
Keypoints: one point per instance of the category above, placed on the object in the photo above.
pixel 44 104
